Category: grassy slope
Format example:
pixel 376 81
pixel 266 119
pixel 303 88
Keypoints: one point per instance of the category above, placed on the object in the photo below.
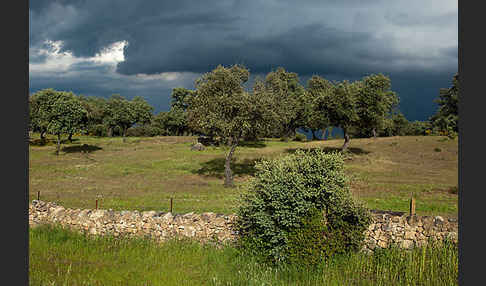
pixel 145 172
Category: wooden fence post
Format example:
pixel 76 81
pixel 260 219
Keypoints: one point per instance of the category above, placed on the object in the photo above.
pixel 412 205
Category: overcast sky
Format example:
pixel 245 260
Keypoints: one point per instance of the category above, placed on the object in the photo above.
pixel 146 48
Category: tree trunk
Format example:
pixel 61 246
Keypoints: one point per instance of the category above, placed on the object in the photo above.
pixel 70 137
pixel 124 132
pixel 58 144
pixel 289 134
pixel 374 133
pixel 43 135
pixel 329 132
pixel 346 141
pixel 314 137
pixel 228 174
pixel 110 132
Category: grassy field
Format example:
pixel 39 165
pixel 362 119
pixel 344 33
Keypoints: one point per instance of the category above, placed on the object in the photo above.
pixel 144 173
pixel 60 257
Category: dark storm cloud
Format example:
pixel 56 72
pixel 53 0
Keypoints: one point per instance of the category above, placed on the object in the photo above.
pixel 87 26
pixel 413 43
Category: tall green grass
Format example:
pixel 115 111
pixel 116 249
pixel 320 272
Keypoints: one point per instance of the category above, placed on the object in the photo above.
pixel 62 257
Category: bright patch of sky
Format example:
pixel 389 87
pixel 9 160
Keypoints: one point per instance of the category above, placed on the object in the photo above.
pixel 62 62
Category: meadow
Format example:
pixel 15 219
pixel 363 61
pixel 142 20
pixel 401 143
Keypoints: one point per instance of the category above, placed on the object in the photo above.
pixel 61 257
pixel 144 173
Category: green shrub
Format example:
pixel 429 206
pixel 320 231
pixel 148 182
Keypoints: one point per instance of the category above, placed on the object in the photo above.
pixel 451 134
pixel 287 190
pixel 300 137
pixel 437 149
pixel 418 128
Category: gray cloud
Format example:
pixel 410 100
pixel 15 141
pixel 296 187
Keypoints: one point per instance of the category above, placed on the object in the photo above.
pixel 412 18
pixel 411 42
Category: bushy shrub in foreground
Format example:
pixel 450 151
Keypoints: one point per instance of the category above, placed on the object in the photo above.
pixel 289 189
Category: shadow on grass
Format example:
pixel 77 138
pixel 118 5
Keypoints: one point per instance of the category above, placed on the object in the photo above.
pixel 46 141
pixel 85 148
pixel 352 150
pixel 215 168
pixel 253 144
pixel 38 142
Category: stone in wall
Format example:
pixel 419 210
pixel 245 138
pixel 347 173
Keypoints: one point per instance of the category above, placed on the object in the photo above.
pixel 407 231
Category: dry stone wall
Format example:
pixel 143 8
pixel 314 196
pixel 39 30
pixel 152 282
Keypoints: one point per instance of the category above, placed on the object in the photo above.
pixel 156 225
pixel 406 231
pixel 387 228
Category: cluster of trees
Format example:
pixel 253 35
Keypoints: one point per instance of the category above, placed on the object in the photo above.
pixel 63 113
pixel 443 122
pixel 279 104
pixel 290 106
pixel 222 107
pixel 56 112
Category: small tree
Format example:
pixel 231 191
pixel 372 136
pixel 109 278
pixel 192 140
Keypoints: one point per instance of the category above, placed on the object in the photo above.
pixel 375 102
pixel 401 125
pixel 181 97
pixel 222 108
pixel 317 119
pixel 66 115
pixel 176 121
pixel 143 110
pixel 264 116
pixel 35 122
pixel 339 103
pixel 288 99
pixel 159 121
pixel 56 112
pixel 447 116
pixel 95 107
pixel 39 109
pixel 176 118
pixel 124 113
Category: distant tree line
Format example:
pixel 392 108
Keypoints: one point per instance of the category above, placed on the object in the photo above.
pixel 222 108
